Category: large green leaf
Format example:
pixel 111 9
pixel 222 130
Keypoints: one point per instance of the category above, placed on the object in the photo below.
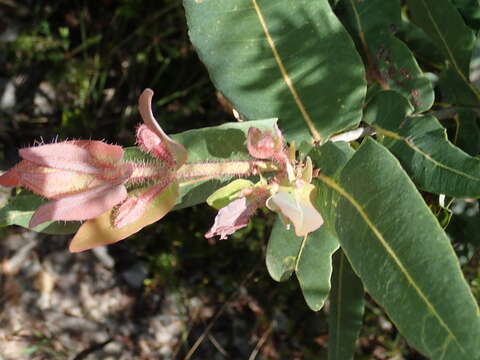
pixel 290 59
pixel 421 144
pixel 389 60
pixel 309 257
pixel 346 309
pixel 20 209
pixel 441 20
pixel 402 255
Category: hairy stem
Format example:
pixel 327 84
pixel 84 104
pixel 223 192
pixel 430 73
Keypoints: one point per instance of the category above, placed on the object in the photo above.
pixel 227 168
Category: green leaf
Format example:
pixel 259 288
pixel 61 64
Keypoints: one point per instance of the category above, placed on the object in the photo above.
pixel 474 68
pixel 389 60
pixel 399 70
pixel 253 53
pixel 314 266
pixel 20 209
pixel 403 256
pixel 330 159
pixel 420 44
pixel 222 143
pixel 421 144
pixel 470 10
pixel 282 251
pixel 468 132
pixel 346 309
pixel 454 39
pixel 372 15
pixel 308 257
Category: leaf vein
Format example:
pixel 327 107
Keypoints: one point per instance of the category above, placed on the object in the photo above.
pixel 332 184
pixel 285 75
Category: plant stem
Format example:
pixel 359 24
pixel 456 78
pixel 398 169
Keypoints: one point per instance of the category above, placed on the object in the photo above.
pixel 227 168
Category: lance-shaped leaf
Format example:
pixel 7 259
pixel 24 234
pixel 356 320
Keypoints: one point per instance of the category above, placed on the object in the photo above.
pixel 398 249
pixel 310 257
pixel 422 146
pixel 346 309
pixel 20 209
pixel 454 39
pixel 253 53
pixel 389 60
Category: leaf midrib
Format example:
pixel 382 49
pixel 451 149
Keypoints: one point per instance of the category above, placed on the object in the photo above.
pixel 416 149
pixel 332 184
pixel 285 75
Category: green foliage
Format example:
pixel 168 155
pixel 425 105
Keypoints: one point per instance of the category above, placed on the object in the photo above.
pixel 346 309
pixel 255 58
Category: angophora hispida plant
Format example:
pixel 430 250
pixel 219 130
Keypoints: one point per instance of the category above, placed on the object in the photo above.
pixel 91 181
pixel 364 72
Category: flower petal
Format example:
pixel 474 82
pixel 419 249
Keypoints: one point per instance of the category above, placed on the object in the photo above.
pixel 179 153
pixel 66 155
pixel 149 142
pixel 105 154
pixel 100 231
pixel 82 206
pixel 296 206
pixel 230 218
pixel 47 182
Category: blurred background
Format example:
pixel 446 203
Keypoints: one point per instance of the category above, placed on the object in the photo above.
pixel 74 69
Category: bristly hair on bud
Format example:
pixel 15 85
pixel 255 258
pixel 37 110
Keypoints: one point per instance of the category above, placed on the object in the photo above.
pixel 156 186
pixel 83 178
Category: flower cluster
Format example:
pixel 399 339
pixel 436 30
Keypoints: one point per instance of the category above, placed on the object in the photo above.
pixel 92 181
pixel 89 180
pixel 289 193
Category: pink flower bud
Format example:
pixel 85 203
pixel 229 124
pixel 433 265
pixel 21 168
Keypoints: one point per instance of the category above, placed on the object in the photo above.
pixel 85 178
pixel 264 144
